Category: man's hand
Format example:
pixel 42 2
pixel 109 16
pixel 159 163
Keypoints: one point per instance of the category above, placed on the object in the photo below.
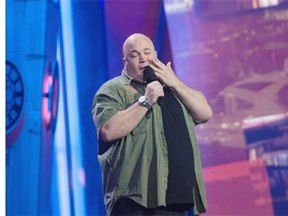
pixel 193 99
pixel 154 90
pixel 165 73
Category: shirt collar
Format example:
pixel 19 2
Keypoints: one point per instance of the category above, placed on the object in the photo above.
pixel 128 78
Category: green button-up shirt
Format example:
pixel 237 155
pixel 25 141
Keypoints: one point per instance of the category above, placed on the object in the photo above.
pixel 136 166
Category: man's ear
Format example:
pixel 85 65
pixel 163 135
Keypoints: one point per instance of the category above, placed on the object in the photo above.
pixel 124 61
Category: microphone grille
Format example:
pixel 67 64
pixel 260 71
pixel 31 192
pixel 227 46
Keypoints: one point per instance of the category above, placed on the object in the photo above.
pixel 149 75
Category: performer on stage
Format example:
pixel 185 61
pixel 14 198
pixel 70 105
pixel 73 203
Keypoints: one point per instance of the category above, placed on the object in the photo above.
pixel 147 145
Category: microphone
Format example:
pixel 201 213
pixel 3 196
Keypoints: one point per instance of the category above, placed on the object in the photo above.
pixel 150 76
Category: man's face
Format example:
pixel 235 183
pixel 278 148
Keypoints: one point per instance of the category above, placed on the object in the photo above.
pixel 137 51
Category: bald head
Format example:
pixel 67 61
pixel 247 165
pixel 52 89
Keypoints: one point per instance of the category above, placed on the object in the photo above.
pixel 134 39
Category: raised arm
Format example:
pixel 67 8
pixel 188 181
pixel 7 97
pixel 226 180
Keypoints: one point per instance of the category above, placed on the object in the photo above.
pixel 193 99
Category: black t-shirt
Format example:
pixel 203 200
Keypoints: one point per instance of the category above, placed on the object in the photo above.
pixel 181 176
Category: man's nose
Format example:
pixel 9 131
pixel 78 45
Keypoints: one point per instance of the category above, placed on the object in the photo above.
pixel 143 58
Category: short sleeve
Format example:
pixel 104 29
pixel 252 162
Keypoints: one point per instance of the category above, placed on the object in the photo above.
pixel 107 102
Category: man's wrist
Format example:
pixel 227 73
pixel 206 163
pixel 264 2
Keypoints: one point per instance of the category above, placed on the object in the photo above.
pixel 143 101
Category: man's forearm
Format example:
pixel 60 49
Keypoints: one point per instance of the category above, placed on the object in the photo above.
pixel 195 101
pixel 122 123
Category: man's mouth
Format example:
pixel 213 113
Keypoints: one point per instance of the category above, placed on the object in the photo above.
pixel 142 68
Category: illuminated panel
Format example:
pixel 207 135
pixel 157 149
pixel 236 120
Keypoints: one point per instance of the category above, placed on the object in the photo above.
pixel 60 151
pixel 50 96
pixel 72 108
pixel 263 120
pixel 267 138
pixel 267 3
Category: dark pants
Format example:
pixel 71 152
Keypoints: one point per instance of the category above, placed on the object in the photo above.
pixel 126 206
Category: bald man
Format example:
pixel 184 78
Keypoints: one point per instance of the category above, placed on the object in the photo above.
pixel 148 151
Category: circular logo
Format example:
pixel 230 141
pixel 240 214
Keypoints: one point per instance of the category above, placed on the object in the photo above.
pixel 14 96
